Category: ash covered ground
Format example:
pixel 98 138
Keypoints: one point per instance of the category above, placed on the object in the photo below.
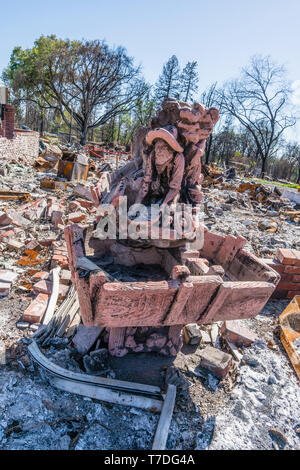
pixel 255 407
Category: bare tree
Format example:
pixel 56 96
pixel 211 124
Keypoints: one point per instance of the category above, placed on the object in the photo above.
pixel 292 154
pixel 189 81
pixel 84 80
pixel 259 101
pixel 168 84
pixel 210 98
pixel 93 83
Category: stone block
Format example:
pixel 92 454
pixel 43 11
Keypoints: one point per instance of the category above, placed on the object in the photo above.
pixel 40 276
pixel 45 287
pixel 287 256
pixel 237 334
pixel 216 361
pixel 197 267
pixel 76 217
pixel 192 334
pixel 7 276
pixel 12 244
pixel 86 337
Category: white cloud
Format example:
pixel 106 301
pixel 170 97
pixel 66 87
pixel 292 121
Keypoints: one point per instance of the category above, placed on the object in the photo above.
pixel 296 92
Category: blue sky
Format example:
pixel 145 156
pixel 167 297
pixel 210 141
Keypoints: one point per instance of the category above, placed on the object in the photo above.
pixel 220 34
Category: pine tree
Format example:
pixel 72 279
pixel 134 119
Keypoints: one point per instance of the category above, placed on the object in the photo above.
pixel 189 81
pixel 168 84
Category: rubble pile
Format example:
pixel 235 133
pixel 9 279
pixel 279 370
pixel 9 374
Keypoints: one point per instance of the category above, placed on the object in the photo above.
pixel 267 225
pixel 230 375
pixel 287 263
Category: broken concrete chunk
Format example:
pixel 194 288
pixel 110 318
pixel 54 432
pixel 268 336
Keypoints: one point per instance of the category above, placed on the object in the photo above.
pixel 237 334
pixel 12 244
pixel 206 339
pixel 86 337
pixel 7 276
pixel 192 334
pixel 13 218
pixel 33 245
pixel 216 361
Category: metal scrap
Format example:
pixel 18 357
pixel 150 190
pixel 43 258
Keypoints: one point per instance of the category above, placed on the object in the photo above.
pixel 289 322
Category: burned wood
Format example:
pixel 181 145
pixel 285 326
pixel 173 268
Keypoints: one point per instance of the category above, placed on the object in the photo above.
pixel 165 418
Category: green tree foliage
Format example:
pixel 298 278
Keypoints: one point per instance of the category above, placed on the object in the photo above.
pixel 87 79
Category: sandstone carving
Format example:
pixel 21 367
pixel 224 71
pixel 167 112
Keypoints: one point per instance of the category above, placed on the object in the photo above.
pixel 144 290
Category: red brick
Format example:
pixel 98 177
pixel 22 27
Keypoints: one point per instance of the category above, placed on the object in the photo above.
pixel 84 203
pixel 35 311
pixel 297 255
pixel 13 218
pixel 7 234
pixel 292 269
pixel 285 285
pixel 56 218
pixel 286 256
pixel 40 276
pixel 47 241
pixel 290 277
pixel 33 245
pixel 74 206
pixel 216 270
pixel 291 294
pixel 215 361
pixel 197 266
pixel 45 287
pixel 77 217
pixel 237 334
pixel 274 264
pixel 59 260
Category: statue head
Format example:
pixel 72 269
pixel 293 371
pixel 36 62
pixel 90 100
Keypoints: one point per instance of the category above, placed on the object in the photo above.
pixel 165 145
pixel 207 121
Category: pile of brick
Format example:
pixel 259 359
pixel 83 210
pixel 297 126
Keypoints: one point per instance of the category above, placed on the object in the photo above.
pixel 7 122
pixel 22 148
pixel 287 264
pixel 32 244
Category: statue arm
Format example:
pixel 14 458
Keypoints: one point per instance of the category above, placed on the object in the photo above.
pixel 146 181
pixel 176 178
